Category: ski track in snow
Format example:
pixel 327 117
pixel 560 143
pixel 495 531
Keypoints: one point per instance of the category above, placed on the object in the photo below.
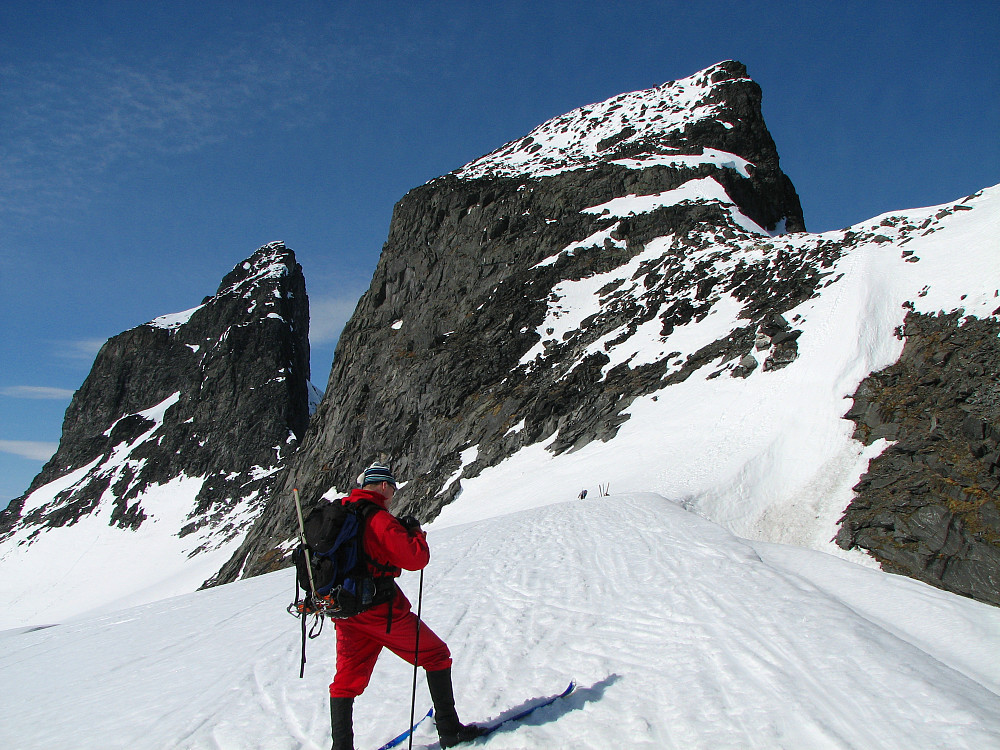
pixel 679 634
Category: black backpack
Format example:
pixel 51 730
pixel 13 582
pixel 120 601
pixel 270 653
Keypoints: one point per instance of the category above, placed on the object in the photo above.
pixel 341 570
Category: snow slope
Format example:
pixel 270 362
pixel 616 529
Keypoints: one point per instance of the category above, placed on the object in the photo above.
pixel 679 634
pixel 148 563
pixel 769 456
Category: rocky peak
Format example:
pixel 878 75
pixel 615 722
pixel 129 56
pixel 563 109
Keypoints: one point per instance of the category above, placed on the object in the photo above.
pixel 708 123
pixel 664 125
pixel 261 271
pixel 181 423
pixel 459 355
pixel 186 353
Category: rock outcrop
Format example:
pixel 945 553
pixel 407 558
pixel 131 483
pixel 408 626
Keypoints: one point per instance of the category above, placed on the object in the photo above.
pixel 928 505
pixel 214 399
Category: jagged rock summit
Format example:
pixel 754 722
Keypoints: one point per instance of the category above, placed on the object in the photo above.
pixel 710 119
pixel 459 354
pixel 170 446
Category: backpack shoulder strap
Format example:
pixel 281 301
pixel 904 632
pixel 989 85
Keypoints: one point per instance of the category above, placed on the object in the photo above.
pixel 365 510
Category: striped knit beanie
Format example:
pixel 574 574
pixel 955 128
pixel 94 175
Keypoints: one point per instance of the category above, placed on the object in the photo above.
pixel 375 474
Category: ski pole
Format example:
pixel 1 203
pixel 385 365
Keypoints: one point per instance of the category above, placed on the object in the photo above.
pixel 302 541
pixel 416 655
pixel 312 586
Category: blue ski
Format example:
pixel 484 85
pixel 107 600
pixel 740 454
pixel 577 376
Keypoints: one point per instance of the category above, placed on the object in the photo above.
pixel 488 728
pixel 405 735
pixel 491 728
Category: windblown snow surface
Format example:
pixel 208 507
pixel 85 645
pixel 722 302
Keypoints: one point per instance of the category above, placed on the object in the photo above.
pixel 678 633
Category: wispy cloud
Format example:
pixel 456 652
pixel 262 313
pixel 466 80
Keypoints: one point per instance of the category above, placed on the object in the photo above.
pixel 328 315
pixel 36 391
pixel 81 350
pixel 33 449
pixel 67 123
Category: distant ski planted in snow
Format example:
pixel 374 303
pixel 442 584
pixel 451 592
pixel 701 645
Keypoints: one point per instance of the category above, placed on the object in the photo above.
pixel 396 741
pixel 521 715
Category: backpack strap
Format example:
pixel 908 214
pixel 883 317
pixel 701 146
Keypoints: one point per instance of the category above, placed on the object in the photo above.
pixel 368 509
pixel 383 593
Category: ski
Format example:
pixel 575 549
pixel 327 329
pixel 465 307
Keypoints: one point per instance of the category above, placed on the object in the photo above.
pixel 395 741
pixel 491 728
pixel 488 729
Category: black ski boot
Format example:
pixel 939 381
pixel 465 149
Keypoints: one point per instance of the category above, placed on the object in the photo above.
pixel 342 723
pixel 451 731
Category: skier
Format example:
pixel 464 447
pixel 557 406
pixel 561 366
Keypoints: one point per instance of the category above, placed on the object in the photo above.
pixel 582 495
pixel 388 541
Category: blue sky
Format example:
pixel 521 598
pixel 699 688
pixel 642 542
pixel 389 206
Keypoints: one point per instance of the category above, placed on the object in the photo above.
pixel 144 151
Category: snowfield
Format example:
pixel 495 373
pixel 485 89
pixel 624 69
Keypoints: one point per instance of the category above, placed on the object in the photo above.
pixel 678 633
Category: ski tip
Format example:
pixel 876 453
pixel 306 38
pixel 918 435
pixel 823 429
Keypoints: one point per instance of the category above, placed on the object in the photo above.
pixel 400 739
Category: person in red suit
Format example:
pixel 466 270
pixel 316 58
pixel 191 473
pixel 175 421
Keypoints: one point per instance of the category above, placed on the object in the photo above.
pixel 391 545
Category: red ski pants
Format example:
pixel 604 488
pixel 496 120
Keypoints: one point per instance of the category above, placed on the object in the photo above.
pixel 361 639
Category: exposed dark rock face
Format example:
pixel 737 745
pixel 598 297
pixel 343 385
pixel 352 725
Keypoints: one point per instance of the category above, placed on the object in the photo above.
pixel 440 353
pixel 929 506
pixel 218 392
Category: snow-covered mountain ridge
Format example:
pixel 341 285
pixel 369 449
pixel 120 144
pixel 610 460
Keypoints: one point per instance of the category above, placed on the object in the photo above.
pixel 679 635
pixel 639 315
pixel 523 321
pixel 462 288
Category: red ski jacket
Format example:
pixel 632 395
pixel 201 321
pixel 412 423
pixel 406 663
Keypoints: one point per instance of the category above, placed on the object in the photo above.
pixel 391 624
pixel 388 542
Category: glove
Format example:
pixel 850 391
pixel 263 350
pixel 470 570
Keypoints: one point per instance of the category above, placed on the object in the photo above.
pixel 410 523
